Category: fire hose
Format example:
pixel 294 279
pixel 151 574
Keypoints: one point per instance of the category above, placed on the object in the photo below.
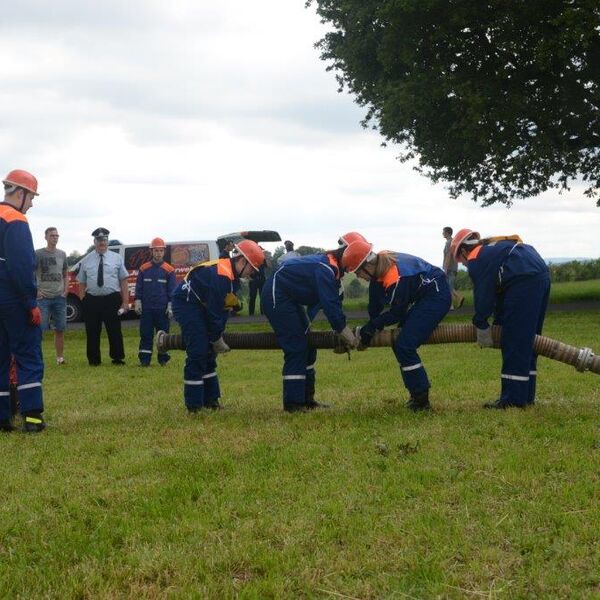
pixel 583 359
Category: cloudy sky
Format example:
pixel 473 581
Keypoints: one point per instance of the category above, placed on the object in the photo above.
pixel 189 119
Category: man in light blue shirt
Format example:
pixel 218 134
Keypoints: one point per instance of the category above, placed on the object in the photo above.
pixel 289 252
pixel 106 298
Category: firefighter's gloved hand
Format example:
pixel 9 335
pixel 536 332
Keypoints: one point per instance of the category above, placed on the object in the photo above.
pixel 35 317
pixel 348 339
pixel 169 311
pixel 138 307
pixel 484 337
pixel 233 303
pixel 220 347
pixel 366 333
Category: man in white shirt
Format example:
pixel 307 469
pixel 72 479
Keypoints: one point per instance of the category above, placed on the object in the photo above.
pixel 106 298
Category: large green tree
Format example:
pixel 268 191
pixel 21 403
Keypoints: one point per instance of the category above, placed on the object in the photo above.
pixel 500 98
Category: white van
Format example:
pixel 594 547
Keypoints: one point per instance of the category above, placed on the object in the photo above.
pixel 181 255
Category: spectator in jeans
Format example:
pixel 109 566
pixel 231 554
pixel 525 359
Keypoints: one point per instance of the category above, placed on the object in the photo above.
pixel 53 283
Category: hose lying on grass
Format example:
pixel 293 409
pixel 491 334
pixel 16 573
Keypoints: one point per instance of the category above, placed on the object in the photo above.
pixel 583 359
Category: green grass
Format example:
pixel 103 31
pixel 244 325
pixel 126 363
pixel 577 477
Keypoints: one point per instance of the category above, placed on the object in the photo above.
pixel 125 495
pixel 560 293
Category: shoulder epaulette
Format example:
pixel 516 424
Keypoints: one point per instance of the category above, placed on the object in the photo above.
pixel 390 277
pixel 145 266
pixel 11 214
pixel 167 267
pixel 200 265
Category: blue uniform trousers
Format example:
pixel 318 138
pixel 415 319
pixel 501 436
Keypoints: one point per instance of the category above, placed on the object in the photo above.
pixel 23 341
pixel 520 310
pixel 291 325
pixel 420 321
pixel 200 381
pixel 151 321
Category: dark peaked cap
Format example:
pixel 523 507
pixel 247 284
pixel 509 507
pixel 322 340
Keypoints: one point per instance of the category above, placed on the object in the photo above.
pixel 100 232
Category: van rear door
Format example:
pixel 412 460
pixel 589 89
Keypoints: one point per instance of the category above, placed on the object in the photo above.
pixel 255 236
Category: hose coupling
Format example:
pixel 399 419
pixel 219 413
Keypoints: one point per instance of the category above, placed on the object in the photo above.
pixel 584 359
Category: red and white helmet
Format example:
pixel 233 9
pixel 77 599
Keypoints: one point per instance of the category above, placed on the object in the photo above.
pixel 464 236
pixel 251 251
pixel 348 238
pixel 157 243
pixel 20 179
pixel 356 254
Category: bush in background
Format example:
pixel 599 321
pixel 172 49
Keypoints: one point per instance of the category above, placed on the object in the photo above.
pixel 574 270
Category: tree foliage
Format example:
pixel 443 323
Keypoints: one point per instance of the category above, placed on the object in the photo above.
pixel 308 250
pixel 73 258
pixel 500 98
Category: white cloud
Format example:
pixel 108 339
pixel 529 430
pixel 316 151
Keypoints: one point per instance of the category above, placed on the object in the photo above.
pixel 192 119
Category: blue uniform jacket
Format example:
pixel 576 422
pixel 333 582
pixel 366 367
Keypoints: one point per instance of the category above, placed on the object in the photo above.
pixel 313 281
pixel 155 285
pixel 208 285
pixel 17 259
pixel 399 288
pixel 494 267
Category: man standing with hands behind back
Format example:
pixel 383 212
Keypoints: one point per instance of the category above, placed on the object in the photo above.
pixel 106 298
pixel 53 285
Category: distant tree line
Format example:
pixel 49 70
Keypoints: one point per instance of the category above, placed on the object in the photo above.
pixel 574 270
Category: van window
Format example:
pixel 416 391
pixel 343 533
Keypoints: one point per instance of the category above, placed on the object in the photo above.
pixel 186 255
pixel 136 256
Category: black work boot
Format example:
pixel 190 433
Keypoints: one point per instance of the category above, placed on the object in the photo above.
pixel 295 408
pixel 499 405
pixel 309 398
pixel 419 401
pixel 6 426
pixel 312 404
pixel 213 404
pixel 33 422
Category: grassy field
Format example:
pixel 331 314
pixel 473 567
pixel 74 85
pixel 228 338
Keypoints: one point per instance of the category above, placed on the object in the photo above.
pixel 126 496
pixel 561 293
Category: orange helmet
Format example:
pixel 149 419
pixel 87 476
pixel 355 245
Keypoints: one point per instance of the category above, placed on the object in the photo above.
pixel 351 236
pixel 251 251
pixel 157 243
pixel 355 254
pixel 20 179
pixel 464 236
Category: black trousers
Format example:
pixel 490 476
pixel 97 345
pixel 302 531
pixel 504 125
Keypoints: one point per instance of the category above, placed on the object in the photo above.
pixel 254 289
pixel 98 310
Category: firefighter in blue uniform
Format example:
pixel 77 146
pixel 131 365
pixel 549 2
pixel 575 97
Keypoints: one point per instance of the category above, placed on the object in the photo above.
pixel 418 297
pixel 512 282
pixel 20 317
pixel 154 289
pixel 202 304
pixel 299 286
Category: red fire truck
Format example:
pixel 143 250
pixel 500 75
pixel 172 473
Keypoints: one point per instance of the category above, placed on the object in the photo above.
pixel 182 255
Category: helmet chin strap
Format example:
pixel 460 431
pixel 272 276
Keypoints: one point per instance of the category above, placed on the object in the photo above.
pixel 236 261
pixel 23 201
